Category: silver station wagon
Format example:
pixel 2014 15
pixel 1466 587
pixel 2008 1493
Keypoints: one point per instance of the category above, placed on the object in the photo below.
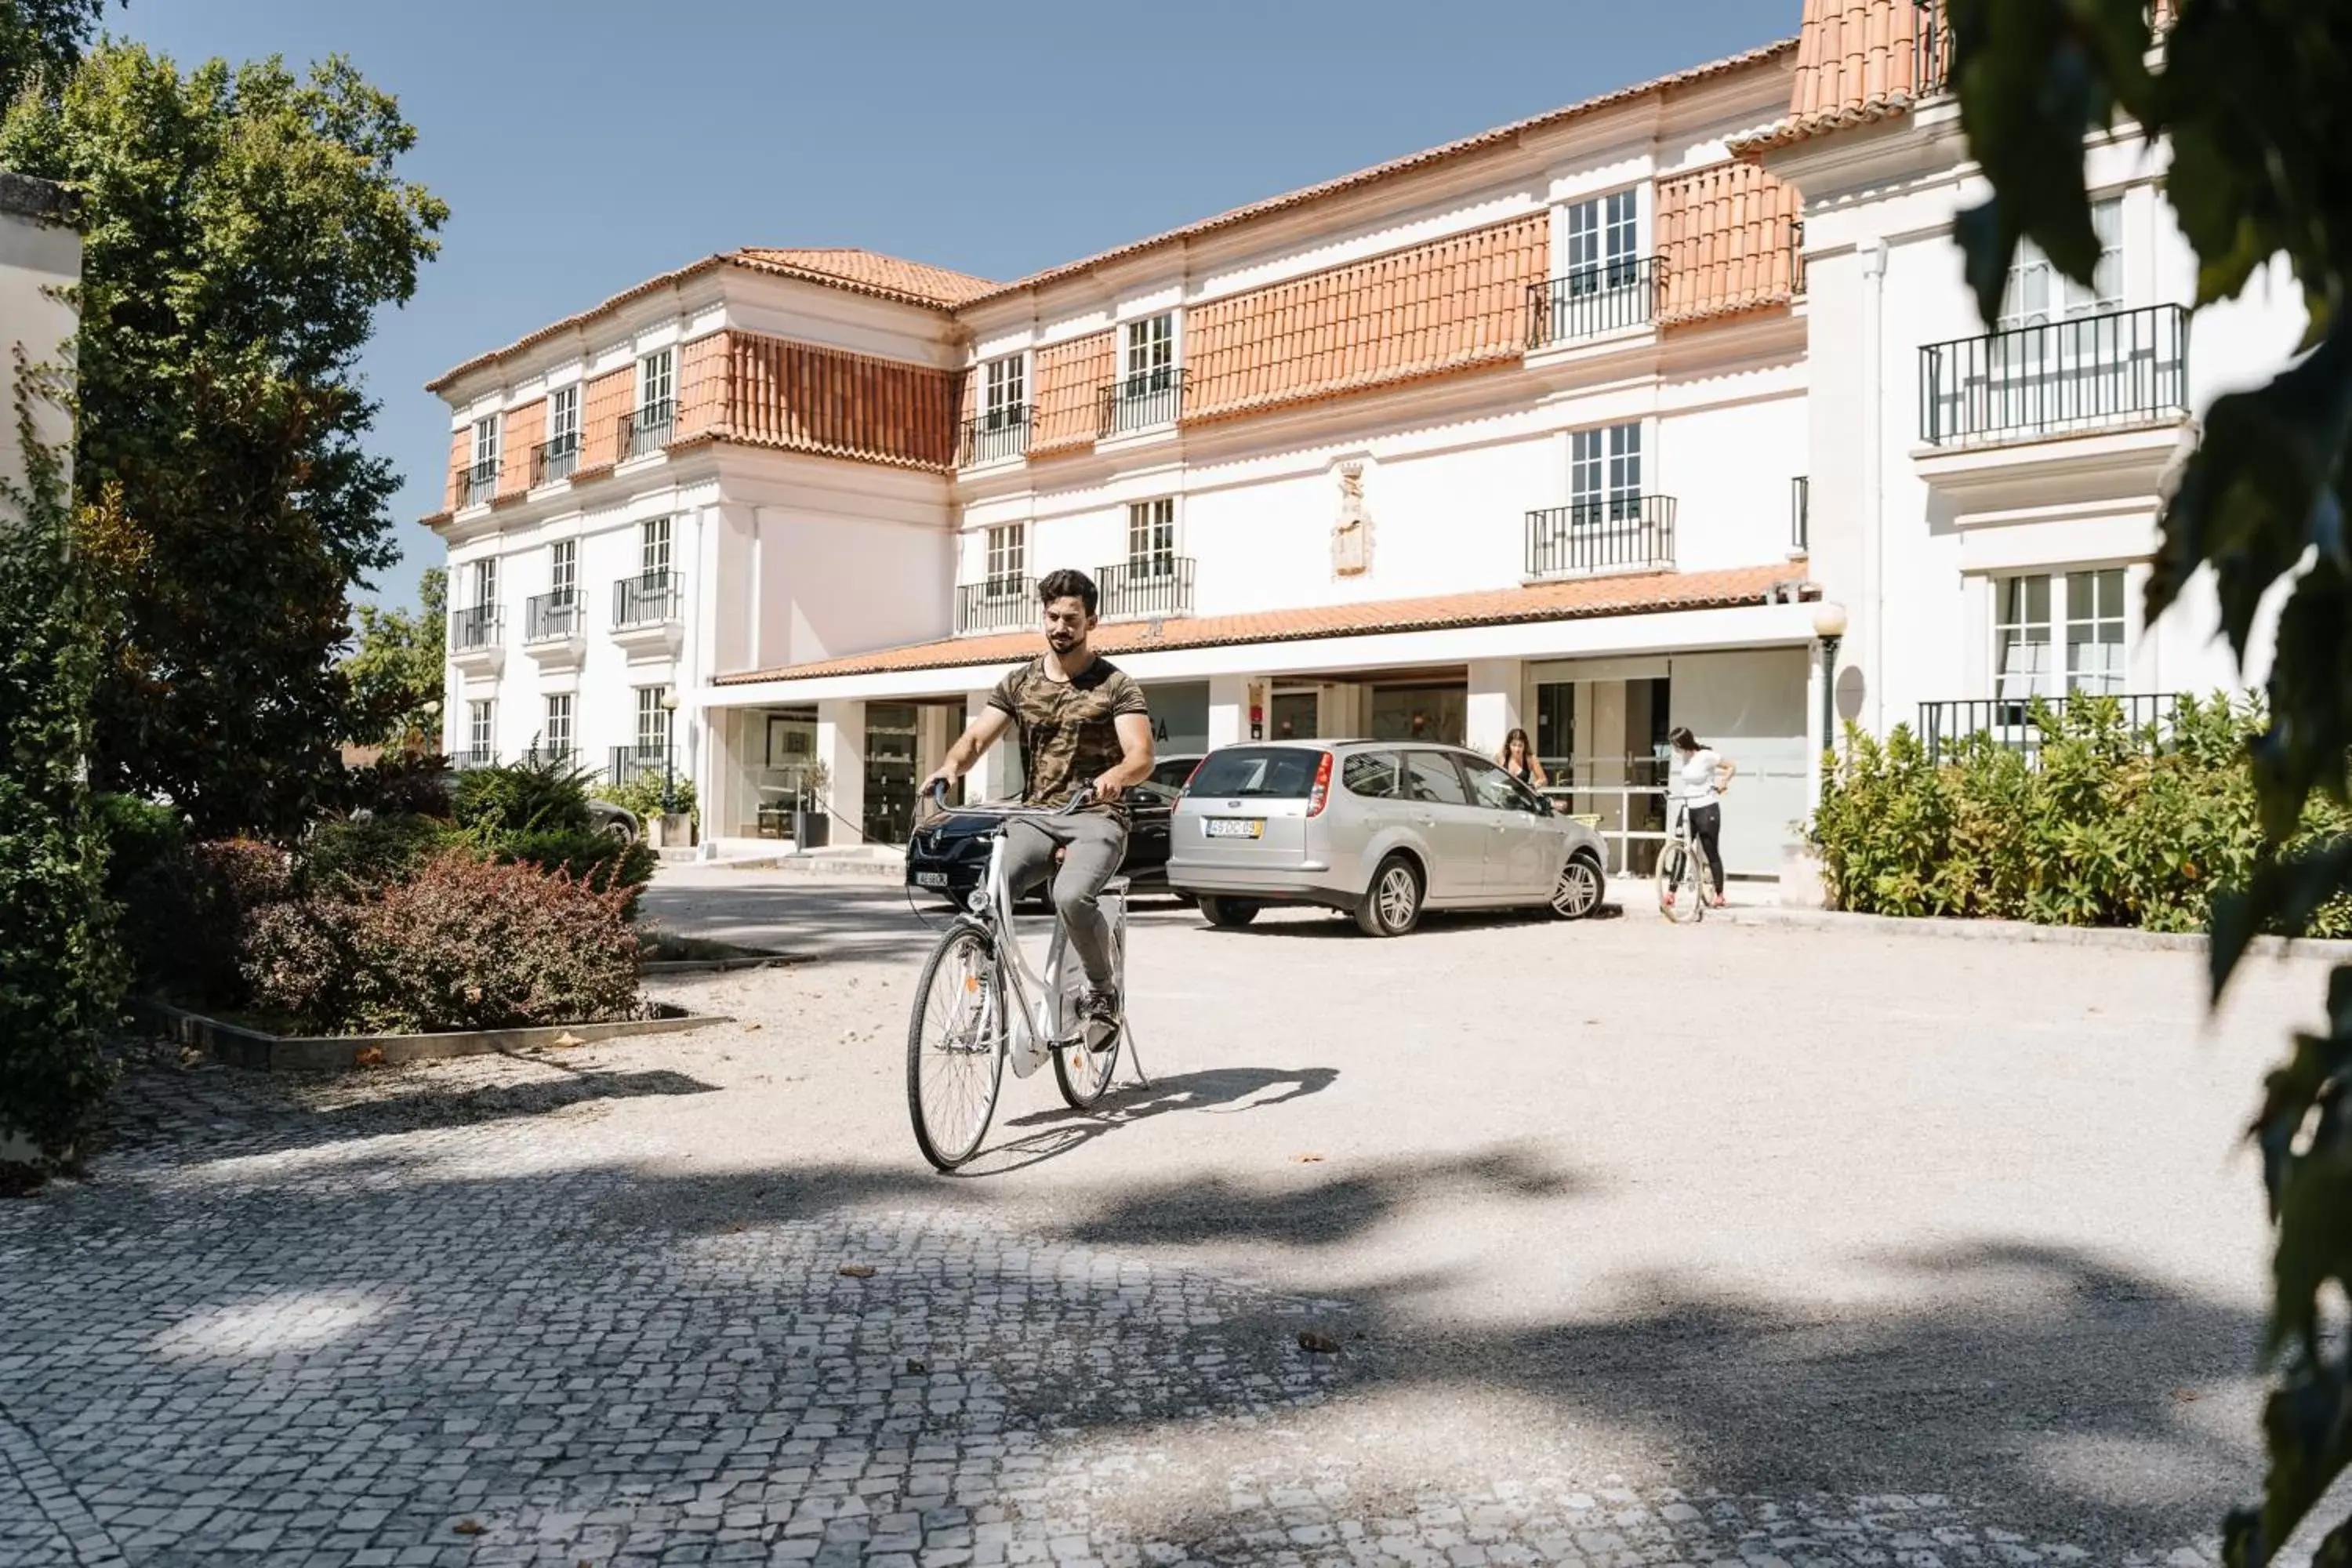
pixel 1377 829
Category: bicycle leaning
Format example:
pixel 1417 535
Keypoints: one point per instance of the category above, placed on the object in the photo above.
pixel 980 1004
pixel 1684 878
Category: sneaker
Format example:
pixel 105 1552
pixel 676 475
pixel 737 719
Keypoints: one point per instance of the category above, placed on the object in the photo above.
pixel 1099 1016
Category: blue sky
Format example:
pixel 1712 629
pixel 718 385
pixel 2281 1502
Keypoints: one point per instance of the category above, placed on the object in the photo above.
pixel 585 144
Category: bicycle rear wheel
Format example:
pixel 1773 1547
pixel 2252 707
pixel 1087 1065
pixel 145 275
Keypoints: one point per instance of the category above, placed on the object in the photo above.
pixel 955 1048
pixel 1682 882
pixel 1083 1071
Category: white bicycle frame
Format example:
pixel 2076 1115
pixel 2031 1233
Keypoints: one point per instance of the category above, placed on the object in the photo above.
pixel 1037 1023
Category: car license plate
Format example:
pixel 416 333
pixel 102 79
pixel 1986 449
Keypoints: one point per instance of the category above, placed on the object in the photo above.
pixel 931 878
pixel 1236 827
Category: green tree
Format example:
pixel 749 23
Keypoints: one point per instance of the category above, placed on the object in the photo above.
pixel 396 671
pixel 2254 98
pixel 242 227
pixel 59 978
pixel 43 40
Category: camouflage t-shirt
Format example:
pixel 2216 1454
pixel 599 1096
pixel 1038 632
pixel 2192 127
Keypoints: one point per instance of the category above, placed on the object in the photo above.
pixel 1067 734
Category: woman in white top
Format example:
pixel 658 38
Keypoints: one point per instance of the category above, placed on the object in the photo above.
pixel 1699 778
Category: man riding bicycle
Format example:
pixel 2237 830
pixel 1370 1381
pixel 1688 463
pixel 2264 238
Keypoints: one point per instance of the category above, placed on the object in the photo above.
pixel 1083 722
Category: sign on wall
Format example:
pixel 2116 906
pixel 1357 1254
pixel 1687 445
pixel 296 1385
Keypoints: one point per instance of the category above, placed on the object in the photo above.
pixel 1180 716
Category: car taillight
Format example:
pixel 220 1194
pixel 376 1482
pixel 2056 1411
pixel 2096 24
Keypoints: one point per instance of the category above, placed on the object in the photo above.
pixel 1322 792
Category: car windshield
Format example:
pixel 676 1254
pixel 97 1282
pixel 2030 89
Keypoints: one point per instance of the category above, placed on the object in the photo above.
pixel 1259 773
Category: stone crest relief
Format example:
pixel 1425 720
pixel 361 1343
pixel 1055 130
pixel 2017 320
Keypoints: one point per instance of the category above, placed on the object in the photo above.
pixel 1351 536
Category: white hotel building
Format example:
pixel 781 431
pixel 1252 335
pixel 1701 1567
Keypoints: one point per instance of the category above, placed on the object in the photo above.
pixel 1579 425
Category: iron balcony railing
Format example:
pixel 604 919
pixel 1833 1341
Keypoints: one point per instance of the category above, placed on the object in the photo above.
pixel 1143 399
pixel 479 480
pixel 475 757
pixel 651 598
pixel 1797 258
pixel 998 433
pixel 1590 301
pixel 1801 512
pixel 998 604
pixel 2056 378
pixel 1622 533
pixel 548 618
pixel 1151 585
pixel 647 430
pixel 473 628
pixel 556 460
pixel 629 763
pixel 2015 723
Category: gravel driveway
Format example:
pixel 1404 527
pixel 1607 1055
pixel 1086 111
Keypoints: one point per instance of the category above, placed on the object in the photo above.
pixel 1640 1245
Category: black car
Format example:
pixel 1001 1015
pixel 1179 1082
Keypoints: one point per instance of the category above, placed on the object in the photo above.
pixel 949 856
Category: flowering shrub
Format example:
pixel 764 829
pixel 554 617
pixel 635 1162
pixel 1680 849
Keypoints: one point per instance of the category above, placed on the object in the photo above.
pixel 463 944
pixel 2105 825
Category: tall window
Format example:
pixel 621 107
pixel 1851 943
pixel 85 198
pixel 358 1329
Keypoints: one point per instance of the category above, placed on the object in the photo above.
pixel 1008 558
pixel 1601 242
pixel 2038 293
pixel 1151 538
pixel 485 585
pixel 482 473
pixel 653 548
pixel 652 722
pixel 481 731
pixel 555 735
pixel 1150 353
pixel 1604 473
pixel 564 419
pixel 2032 615
pixel 1005 394
pixel 564 570
pixel 654 383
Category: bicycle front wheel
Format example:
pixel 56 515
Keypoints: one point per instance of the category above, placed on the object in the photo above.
pixel 955 1048
pixel 1682 882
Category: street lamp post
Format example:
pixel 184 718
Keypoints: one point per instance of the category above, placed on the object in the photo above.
pixel 431 711
pixel 670 753
pixel 1829 624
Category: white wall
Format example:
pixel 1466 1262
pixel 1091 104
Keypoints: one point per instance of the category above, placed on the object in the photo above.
pixel 35 258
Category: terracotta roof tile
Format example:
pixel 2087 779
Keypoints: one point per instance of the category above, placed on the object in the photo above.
pixel 1727 235
pixel 889 275
pixel 1411 163
pixel 1856 62
pixel 1586 598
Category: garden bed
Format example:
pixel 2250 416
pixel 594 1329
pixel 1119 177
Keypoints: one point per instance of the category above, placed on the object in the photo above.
pixel 238 1044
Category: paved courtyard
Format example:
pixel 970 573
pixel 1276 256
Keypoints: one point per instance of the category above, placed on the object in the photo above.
pixel 1638 1245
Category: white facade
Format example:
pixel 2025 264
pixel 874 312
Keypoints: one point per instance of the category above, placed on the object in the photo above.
pixel 40 254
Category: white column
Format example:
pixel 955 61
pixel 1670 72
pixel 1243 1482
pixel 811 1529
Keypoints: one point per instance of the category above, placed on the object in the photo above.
pixel 997 775
pixel 1493 706
pixel 1228 709
pixel 841 747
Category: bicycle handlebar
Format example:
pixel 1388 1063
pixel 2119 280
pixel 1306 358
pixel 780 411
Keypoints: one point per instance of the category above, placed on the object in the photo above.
pixel 1079 797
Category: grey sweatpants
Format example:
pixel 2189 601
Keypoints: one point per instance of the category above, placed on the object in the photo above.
pixel 1096 841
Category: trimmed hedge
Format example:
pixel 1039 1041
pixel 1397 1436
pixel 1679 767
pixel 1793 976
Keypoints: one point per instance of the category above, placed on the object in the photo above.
pixel 2105 825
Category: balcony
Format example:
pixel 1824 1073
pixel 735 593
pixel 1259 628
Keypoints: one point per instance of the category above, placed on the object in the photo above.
pixel 649 614
pixel 478 482
pixel 477 641
pixel 2016 723
pixel 554 629
pixel 997 604
pixel 629 763
pixel 1144 400
pixel 1593 303
pixel 556 460
pixel 1931 49
pixel 646 431
pixel 1592 539
pixel 2062 378
pixel 474 757
pixel 1149 588
pixel 999 434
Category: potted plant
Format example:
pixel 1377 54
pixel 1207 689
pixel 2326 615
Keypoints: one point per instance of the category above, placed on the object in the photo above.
pixel 812 827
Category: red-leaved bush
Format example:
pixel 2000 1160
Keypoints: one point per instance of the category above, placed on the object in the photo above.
pixel 463 944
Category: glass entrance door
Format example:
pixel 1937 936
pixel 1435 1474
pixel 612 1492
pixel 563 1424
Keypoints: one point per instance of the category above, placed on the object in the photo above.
pixel 890 741
pixel 1420 714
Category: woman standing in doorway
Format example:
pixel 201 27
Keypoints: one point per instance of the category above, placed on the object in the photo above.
pixel 1518 760
pixel 1700 777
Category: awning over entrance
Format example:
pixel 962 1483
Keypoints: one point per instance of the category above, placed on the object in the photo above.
pixel 1634 594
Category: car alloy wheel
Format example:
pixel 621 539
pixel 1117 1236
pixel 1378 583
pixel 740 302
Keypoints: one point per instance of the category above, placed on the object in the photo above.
pixel 1577 893
pixel 1399 896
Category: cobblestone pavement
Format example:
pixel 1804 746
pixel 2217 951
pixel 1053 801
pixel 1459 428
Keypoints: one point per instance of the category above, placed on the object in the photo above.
pixel 590 1308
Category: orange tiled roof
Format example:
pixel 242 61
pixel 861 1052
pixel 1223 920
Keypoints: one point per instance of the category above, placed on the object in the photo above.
pixel 1726 234
pixel 858 271
pixel 915 280
pixel 1583 599
pixel 1407 164
pixel 1855 63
